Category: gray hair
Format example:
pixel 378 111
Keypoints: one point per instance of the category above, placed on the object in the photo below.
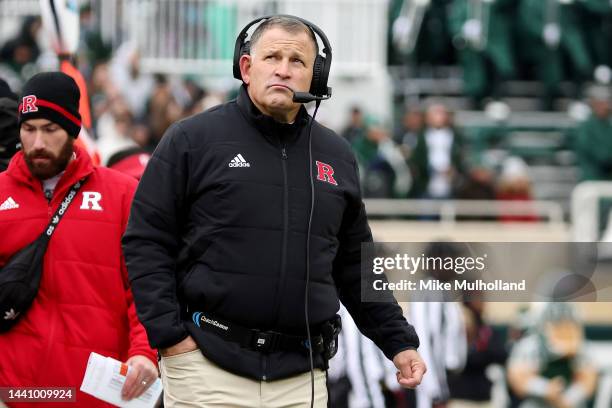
pixel 289 24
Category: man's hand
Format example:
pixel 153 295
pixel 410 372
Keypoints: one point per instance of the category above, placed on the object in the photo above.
pixel 554 392
pixel 140 377
pixel 411 368
pixel 184 346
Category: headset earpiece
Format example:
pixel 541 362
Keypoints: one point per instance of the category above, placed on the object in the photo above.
pixel 317 86
pixel 238 52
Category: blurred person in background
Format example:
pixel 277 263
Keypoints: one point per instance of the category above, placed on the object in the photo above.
pixel 131 161
pixel 384 171
pixel 597 21
pixel 92 47
pixel 437 162
pixel 360 372
pixel 207 101
pixel 193 88
pixel 124 144
pixel 162 109
pixel 84 302
pixel 100 90
pixel 514 184
pixel 9 128
pixel 356 127
pixel 126 75
pixel 472 387
pixel 552 366
pixel 23 50
pixel 594 138
pixel 407 133
pixel 440 324
pixel 478 184
pixel 521 325
pixel 418 33
pixel 191 96
pixel 482 32
pixel 114 129
pixel 365 145
pixel 195 95
pixel 553 40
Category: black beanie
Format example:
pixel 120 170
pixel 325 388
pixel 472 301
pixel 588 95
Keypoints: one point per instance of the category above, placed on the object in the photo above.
pixel 53 96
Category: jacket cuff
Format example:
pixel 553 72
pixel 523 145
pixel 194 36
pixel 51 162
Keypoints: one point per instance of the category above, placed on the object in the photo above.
pixel 410 341
pixel 400 350
pixel 170 338
pixel 149 353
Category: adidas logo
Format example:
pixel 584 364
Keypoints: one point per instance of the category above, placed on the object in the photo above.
pixel 239 161
pixel 11 314
pixel 8 204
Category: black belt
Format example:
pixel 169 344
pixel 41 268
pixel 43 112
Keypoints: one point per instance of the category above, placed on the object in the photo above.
pixel 263 341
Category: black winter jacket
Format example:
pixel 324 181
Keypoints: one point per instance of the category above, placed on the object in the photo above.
pixel 219 224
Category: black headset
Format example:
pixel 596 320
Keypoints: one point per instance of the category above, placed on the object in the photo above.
pixel 322 64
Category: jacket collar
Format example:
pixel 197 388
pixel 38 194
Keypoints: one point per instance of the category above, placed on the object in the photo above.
pixel 271 129
pixel 76 169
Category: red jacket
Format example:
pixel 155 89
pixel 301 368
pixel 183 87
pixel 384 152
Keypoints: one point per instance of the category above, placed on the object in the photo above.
pixel 84 302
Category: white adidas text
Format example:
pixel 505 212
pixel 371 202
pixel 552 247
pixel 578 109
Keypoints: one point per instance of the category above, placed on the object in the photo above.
pixel 239 161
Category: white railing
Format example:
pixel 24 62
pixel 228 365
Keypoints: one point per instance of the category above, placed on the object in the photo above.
pixel 11 13
pixel 585 209
pixel 449 210
pixel 18 8
pixel 197 36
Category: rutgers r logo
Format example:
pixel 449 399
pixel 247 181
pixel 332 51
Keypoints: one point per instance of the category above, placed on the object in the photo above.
pixel 29 104
pixel 325 172
pixel 91 201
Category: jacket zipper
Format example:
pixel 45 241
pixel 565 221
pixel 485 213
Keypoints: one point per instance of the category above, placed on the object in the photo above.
pixel 281 281
pixel 285 232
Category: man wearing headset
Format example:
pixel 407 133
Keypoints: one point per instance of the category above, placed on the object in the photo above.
pixel 242 210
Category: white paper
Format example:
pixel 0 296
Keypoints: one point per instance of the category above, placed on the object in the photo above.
pixel 104 379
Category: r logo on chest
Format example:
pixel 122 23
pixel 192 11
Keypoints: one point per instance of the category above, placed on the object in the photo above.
pixel 325 172
pixel 91 201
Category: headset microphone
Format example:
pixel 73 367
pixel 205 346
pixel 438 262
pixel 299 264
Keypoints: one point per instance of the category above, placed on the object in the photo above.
pixel 305 97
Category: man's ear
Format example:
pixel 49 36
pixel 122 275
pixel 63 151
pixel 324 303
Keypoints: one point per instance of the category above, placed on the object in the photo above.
pixel 245 68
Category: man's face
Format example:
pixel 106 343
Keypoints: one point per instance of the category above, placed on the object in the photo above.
pixel 437 117
pixel 601 108
pixel 413 120
pixel 279 62
pixel 563 337
pixel 47 147
pixel 377 134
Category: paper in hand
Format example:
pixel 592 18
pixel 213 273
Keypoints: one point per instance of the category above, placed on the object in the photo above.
pixel 104 379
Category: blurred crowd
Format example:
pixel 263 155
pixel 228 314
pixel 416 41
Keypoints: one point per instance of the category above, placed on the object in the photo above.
pixel 426 157
pixel 130 109
pixel 497 40
pixel 423 154
pixel 543 360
